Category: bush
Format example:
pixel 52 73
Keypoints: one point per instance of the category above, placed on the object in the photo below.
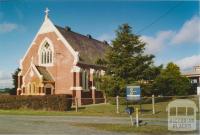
pixel 50 102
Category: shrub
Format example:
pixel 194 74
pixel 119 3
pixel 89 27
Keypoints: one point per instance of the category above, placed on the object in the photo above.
pixel 50 102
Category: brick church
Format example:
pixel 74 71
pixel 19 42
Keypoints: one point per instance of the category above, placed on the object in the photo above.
pixel 61 61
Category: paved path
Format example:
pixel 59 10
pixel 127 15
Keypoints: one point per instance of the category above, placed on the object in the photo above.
pixel 61 124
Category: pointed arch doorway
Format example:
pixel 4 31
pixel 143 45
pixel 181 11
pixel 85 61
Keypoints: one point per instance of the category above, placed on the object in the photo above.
pixel 49 89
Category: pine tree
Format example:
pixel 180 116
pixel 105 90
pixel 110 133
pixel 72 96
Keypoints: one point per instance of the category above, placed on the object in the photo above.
pixel 126 59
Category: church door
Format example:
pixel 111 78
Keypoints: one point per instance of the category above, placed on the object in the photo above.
pixel 48 91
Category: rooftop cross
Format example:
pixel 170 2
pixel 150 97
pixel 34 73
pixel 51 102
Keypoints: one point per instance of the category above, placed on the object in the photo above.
pixel 46 13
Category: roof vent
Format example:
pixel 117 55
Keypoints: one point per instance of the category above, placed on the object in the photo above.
pixel 67 28
pixel 105 42
pixel 89 36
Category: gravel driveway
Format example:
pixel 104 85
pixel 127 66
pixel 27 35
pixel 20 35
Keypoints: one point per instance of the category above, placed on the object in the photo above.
pixel 53 125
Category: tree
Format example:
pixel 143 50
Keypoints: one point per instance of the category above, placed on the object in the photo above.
pixel 170 82
pixel 15 81
pixel 150 74
pixel 125 59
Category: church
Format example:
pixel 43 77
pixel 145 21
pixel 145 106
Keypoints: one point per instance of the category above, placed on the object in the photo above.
pixel 61 61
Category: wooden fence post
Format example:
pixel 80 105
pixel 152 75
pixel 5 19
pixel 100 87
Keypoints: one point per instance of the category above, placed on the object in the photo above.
pixel 137 117
pixel 117 103
pixel 153 104
pixel 105 100
pixel 199 102
pixel 76 104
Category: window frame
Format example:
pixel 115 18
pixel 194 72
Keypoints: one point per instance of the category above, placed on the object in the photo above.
pixel 85 80
pixel 46 55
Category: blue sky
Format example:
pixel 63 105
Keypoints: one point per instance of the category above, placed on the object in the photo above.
pixel 173 37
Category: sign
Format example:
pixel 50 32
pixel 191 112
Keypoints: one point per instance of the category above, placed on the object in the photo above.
pixel 182 121
pixel 133 93
pixel 198 90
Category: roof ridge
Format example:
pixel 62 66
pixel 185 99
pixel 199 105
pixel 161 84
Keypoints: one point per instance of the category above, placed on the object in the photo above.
pixel 81 34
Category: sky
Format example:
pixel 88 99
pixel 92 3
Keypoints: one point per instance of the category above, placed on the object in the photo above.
pixel 171 29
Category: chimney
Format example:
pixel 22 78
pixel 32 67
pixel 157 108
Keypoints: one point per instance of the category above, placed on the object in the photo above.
pixel 105 42
pixel 67 28
pixel 89 36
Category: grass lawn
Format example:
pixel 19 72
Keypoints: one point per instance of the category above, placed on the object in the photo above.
pixel 91 110
pixel 150 129
pixel 97 110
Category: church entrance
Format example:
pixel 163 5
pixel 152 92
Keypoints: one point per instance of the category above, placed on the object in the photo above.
pixel 48 91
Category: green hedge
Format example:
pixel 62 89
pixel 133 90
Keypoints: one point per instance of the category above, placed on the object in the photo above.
pixel 50 102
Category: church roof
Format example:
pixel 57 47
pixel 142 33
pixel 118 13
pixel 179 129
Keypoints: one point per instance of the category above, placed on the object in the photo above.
pixel 90 50
pixel 46 75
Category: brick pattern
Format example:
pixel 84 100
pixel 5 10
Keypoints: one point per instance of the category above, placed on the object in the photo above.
pixel 65 81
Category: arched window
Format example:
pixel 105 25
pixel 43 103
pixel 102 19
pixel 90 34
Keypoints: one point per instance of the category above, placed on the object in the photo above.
pixel 29 88
pixel 46 54
pixel 85 80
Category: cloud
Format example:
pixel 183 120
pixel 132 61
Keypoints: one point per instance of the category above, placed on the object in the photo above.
pixel 7 27
pixel 5 80
pixel 189 33
pixel 106 37
pixel 188 62
pixel 155 44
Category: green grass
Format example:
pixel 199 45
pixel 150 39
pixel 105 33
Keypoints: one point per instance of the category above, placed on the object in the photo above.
pixel 150 129
pixel 97 110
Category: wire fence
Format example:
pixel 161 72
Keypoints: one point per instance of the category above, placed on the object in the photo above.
pixel 147 106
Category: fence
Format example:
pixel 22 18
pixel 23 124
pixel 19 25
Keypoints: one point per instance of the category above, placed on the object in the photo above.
pixel 148 106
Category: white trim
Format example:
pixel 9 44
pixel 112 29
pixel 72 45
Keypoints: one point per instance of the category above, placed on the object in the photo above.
pixel 37 72
pixel 23 86
pixel 46 27
pixel 93 88
pixel 32 66
pixel 92 71
pixel 102 72
pixel 76 69
pixel 76 88
pixel 20 64
pixel 20 73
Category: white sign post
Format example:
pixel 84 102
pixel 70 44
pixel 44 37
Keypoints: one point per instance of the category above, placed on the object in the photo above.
pixel 198 94
pixel 198 90
pixel 117 102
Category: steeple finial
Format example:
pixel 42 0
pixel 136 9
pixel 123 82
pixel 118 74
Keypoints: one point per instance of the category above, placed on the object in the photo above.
pixel 46 13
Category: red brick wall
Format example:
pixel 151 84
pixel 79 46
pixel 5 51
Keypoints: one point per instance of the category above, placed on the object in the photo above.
pixel 63 61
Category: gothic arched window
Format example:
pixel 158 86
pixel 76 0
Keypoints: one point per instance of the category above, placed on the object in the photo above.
pixel 46 54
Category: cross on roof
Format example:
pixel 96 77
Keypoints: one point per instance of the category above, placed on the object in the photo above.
pixel 46 12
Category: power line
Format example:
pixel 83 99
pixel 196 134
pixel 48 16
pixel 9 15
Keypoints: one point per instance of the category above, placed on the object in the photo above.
pixel 160 17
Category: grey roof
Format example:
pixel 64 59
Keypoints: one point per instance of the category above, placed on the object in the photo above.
pixel 90 50
pixel 46 75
